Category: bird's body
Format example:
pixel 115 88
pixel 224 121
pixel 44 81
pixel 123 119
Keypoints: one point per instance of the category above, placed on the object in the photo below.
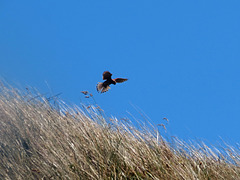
pixel 105 86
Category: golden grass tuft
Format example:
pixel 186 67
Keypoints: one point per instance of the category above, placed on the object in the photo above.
pixel 41 141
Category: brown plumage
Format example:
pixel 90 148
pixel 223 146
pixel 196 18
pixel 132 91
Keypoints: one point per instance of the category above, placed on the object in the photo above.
pixel 105 86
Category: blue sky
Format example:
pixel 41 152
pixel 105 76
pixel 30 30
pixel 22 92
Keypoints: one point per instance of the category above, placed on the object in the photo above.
pixel 182 58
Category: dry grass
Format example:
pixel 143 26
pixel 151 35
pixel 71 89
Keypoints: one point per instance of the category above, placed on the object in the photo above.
pixel 41 141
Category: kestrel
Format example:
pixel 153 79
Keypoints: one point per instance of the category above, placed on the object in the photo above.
pixel 105 86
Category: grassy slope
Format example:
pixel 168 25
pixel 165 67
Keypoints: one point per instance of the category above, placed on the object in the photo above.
pixel 39 141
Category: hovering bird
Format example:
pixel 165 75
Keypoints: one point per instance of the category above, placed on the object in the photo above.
pixel 105 86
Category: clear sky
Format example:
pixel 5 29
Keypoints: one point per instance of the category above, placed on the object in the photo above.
pixel 182 58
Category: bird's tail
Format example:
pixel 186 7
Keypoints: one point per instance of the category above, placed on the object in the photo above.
pixel 101 88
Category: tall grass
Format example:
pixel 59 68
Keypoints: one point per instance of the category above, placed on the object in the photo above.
pixel 39 140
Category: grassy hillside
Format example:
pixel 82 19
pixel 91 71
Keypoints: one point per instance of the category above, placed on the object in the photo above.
pixel 43 140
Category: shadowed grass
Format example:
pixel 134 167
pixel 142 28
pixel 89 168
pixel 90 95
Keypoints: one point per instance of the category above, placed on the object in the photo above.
pixel 40 141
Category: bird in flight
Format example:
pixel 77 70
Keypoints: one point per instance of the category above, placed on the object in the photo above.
pixel 105 86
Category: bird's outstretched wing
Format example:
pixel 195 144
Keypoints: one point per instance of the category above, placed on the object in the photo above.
pixel 101 88
pixel 107 75
pixel 119 80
